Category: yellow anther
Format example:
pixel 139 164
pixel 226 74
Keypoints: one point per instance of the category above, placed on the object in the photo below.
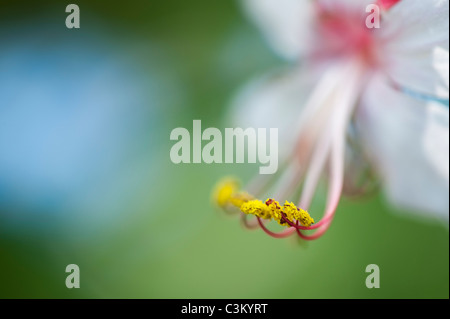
pixel 225 191
pixel 238 199
pixel 257 208
pixel 290 211
pixel 303 217
pixel 275 211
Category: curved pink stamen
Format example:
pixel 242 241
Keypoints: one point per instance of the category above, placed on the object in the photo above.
pixel 282 234
pixel 336 171
pixel 330 147
pixel 335 188
pixel 312 227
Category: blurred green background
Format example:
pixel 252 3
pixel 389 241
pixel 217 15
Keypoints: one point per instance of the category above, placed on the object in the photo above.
pixel 145 227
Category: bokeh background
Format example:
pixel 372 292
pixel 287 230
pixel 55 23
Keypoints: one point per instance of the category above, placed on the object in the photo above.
pixel 86 178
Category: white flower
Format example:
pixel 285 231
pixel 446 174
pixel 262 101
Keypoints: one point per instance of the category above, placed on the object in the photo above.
pixel 388 86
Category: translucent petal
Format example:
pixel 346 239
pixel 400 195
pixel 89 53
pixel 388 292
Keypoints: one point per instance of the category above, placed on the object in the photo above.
pixel 416 35
pixel 408 141
pixel 285 23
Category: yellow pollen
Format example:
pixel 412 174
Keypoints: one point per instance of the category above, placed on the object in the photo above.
pixel 303 217
pixel 290 211
pixel 227 193
pixel 275 211
pixel 257 208
pixel 240 198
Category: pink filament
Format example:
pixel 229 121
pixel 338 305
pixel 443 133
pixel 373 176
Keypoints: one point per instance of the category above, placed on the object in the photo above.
pixel 282 234
pixel 331 146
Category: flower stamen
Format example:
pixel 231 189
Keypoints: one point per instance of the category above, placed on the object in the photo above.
pixel 228 194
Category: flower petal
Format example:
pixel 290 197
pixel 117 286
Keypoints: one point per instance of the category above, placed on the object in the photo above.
pixel 274 100
pixel 408 142
pixel 284 23
pixel 416 34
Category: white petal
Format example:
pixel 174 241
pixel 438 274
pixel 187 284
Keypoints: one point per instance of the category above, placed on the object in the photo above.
pixel 350 5
pixel 436 137
pixel 441 65
pixel 417 35
pixel 408 141
pixel 285 23
pixel 273 101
